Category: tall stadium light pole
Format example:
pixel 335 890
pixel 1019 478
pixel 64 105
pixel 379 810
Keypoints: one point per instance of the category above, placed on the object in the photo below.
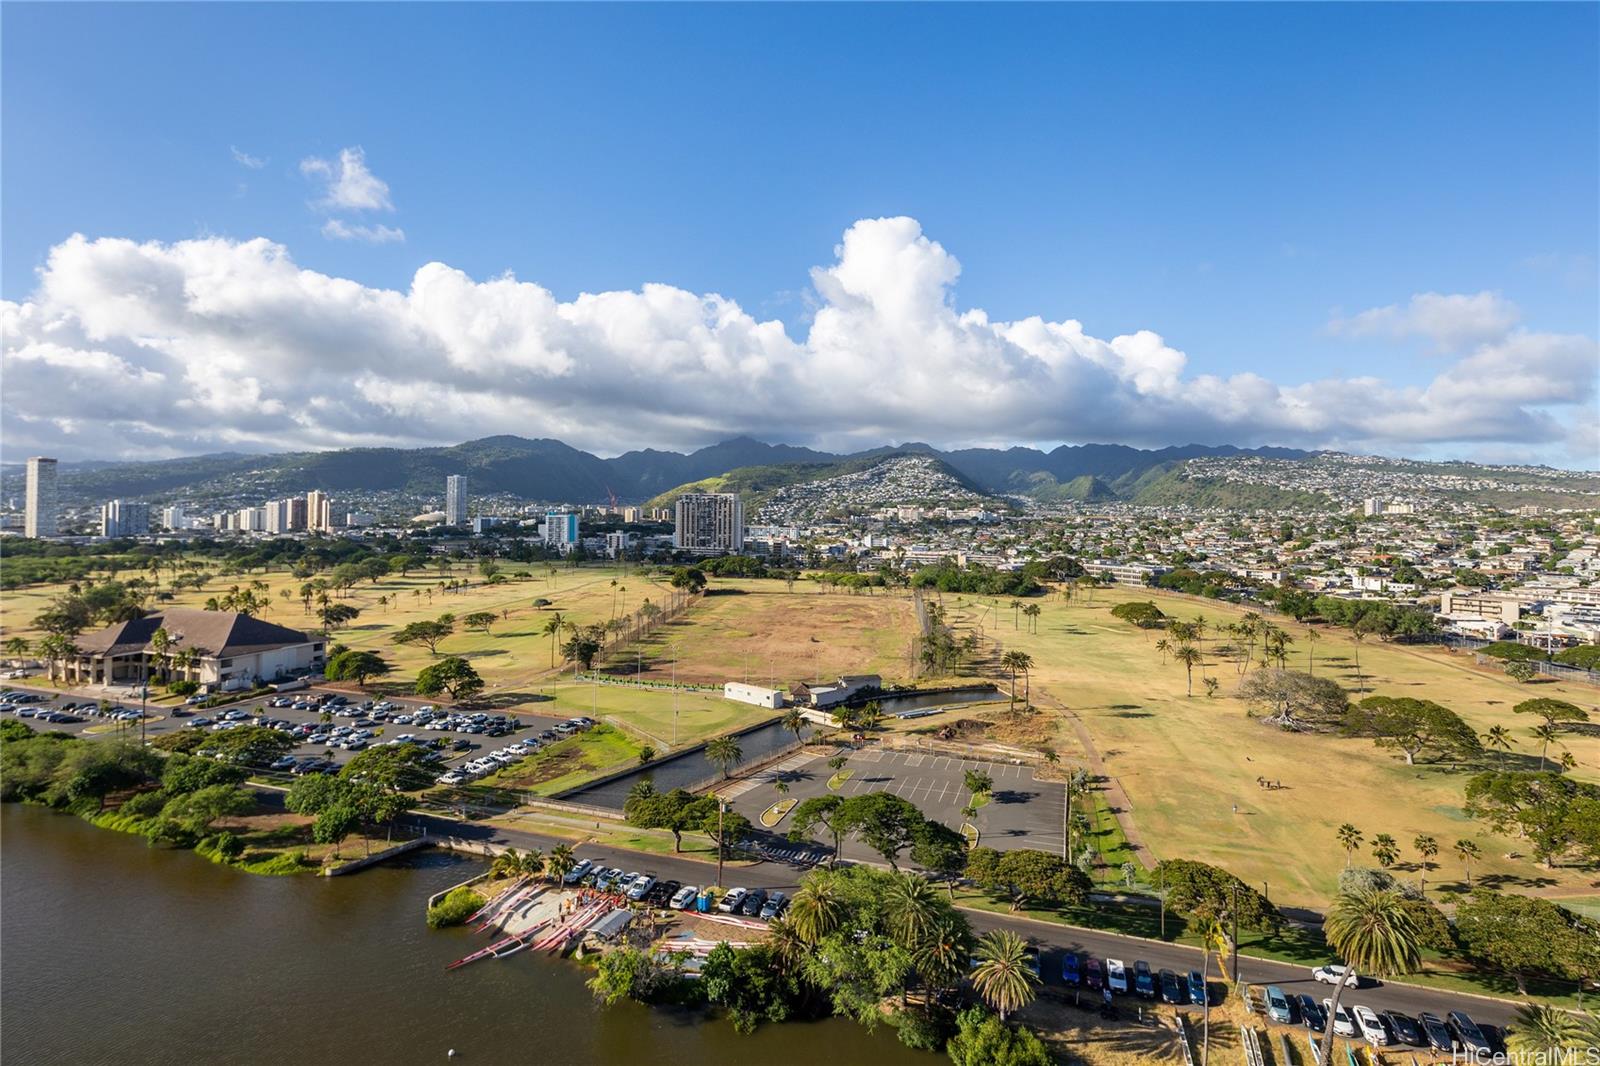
pixel 675 709
pixel 722 809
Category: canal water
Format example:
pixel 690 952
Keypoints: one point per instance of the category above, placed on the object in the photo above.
pixel 117 953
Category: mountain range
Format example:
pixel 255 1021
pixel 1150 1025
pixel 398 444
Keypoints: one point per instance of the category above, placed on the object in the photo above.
pixel 549 470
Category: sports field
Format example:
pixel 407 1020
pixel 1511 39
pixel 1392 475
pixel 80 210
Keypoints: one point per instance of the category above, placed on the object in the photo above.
pixel 1185 762
pixel 756 630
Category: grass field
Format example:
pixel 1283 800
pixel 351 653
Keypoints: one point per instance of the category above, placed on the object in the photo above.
pixel 1185 762
pixel 758 631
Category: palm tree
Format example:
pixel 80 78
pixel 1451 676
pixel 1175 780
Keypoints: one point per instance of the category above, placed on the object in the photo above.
pixel 911 905
pixel 1015 661
pixel 946 952
pixel 1499 736
pixel 1189 656
pixel 506 864
pixel 1545 734
pixel 1385 850
pixel 1374 930
pixel 794 722
pixel 1467 851
pixel 1016 623
pixel 560 863
pixel 1542 1033
pixel 1032 611
pixel 532 864
pixel 1349 839
pixel 724 753
pixel 17 647
pixel 552 629
pixel 818 908
pixel 1163 646
pixel 1002 976
pixel 1427 847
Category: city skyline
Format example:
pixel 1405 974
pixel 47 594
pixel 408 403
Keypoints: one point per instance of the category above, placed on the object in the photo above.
pixel 312 278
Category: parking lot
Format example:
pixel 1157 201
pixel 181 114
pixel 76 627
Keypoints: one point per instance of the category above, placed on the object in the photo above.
pixel 459 746
pixel 1023 812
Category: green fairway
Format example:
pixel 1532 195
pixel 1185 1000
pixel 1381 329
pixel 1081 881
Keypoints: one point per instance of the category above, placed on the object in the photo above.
pixel 1186 761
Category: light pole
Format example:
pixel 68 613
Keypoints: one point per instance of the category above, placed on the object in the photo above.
pixel 722 808
pixel 675 727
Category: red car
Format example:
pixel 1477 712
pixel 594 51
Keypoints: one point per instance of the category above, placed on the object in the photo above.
pixel 1094 975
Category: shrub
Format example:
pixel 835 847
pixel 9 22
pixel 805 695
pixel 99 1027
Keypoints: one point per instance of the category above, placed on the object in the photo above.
pixel 1584 656
pixel 921 1030
pixel 145 804
pixel 227 845
pixel 1511 651
pixel 184 688
pixel 459 904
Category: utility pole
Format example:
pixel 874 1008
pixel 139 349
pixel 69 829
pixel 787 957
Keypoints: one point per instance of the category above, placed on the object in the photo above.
pixel 675 734
pixel 722 808
pixel 1235 938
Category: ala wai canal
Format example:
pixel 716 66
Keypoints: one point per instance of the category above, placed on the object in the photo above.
pixel 112 952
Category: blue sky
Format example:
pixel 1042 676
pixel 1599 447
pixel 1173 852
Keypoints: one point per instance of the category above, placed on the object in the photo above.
pixel 1232 178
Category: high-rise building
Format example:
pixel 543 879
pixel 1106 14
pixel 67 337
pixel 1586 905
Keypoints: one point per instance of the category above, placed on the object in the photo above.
pixel 455 500
pixel 252 519
pixel 277 516
pixel 561 529
pixel 124 518
pixel 709 523
pixel 319 511
pixel 40 518
pixel 297 513
pixel 174 517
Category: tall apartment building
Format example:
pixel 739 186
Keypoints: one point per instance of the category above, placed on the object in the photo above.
pixel 41 515
pixel 174 517
pixel 252 519
pixel 297 513
pixel 561 529
pixel 709 523
pixel 319 511
pixel 277 516
pixel 124 518
pixel 455 500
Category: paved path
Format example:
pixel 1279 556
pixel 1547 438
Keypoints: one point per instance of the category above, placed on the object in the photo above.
pixel 1117 800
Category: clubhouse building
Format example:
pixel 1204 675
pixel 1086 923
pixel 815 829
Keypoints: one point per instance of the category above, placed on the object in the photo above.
pixel 219 649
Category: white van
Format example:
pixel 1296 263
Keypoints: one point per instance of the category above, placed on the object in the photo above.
pixel 1116 976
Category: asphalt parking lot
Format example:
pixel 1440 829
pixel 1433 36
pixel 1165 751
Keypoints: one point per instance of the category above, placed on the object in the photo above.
pixel 1023 813
pixel 166 719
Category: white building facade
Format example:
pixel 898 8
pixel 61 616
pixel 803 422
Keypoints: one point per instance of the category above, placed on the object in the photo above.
pixel 42 510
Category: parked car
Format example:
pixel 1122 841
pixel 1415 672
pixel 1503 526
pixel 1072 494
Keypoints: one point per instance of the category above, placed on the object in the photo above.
pixel 754 900
pixel 1312 1016
pixel 1116 976
pixel 1467 1033
pixel 1436 1032
pixel 683 899
pixel 1173 990
pixel 1278 1008
pixel 1094 974
pixel 641 886
pixel 1373 1028
pixel 1405 1028
pixel 731 902
pixel 1071 968
pixel 1144 982
pixel 1332 973
pixel 1198 993
pixel 774 906
pixel 1343 1024
pixel 577 873
pixel 1030 959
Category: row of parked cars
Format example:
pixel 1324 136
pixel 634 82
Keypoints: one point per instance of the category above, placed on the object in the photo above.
pixel 1165 985
pixel 645 888
pixel 1455 1031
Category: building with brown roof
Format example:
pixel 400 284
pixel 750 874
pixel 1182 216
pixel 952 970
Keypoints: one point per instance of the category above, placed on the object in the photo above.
pixel 219 649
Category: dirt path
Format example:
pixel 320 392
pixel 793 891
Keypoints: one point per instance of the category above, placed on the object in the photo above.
pixel 1117 801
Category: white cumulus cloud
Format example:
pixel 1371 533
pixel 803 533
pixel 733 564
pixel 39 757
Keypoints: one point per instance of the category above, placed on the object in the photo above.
pixel 149 349
pixel 1452 322
pixel 347 183
pixel 336 230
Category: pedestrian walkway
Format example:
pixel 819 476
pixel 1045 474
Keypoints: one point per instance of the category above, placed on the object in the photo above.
pixel 1116 799
pixel 777 772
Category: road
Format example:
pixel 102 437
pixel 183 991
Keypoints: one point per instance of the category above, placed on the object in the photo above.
pixel 1051 938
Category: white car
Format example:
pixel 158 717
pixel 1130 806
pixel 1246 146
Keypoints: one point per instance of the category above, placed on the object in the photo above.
pixel 1116 976
pixel 1372 1027
pixel 1333 973
pixel 684 898
pixel 1343 1024
pixel 641 886
pixel 731 901
pixel 451 778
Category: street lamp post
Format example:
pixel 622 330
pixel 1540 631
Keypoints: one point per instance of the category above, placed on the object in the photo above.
pixel 675 714
pixel 722 808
